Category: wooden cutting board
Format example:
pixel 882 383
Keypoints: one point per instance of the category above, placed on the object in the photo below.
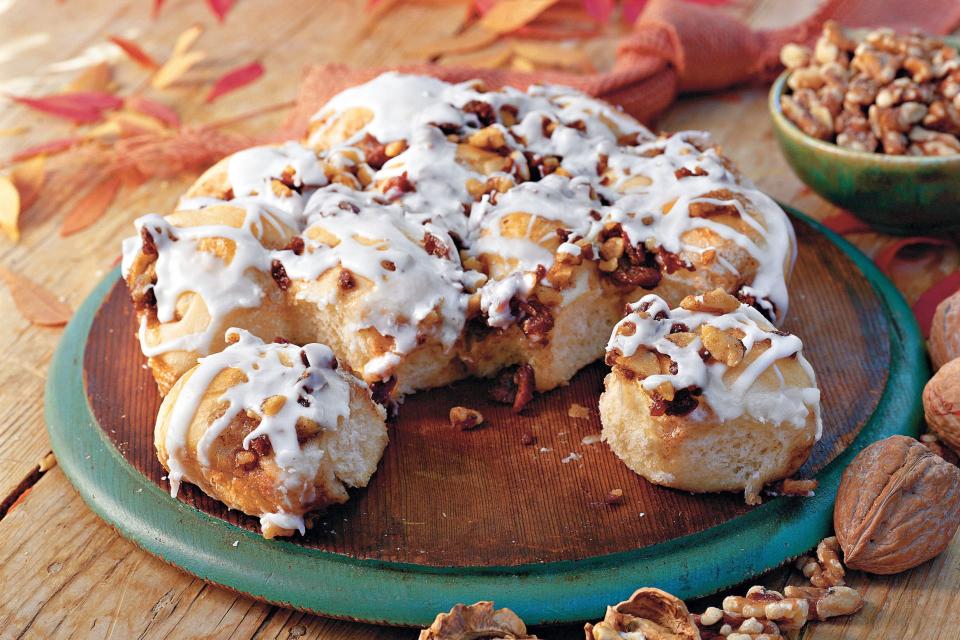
pixel 455 516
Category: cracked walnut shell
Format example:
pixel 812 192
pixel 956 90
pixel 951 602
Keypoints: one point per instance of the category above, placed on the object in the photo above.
pixel 477 622
pixel 898 506
pixel 655 614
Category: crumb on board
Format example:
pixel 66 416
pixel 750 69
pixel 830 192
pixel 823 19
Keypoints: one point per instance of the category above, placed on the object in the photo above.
pixel 574 456
pixel 593 438
pixel 578 411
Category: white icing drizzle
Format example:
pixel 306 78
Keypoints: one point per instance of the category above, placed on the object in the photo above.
pixel 311 387
pixel 652 320
pixel 608 168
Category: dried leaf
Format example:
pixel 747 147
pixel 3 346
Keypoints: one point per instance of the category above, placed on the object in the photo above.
pixel 235 79
pixel 174 68
pixel 927 303
pixel 155 109
pixel 475 37
pixel 50 147
pixel 13 131
pixel 29 177
pixel 494 57
pixel 599 10
pixel 186 40
pixel 135 52
pixel 632 9
pixel 220 8
pixel 35 304
pixel 181 59
pixel 888 257
pixel 844 222
pixel 91 207
pixel 552 54
pixel 130 123
pixel 98 77
pixel 81 107
pixel 9 208
pixel 508 15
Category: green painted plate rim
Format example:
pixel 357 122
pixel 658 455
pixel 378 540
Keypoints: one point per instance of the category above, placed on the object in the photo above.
pixel 404 594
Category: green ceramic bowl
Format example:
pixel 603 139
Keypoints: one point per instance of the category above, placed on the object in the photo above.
pixel 907 195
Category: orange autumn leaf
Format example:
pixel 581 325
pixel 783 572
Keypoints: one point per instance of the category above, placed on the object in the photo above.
pixel 508 15
pixel 98 77
pixel 28 177
pixel 181 60
pixel 91 207
pixel 235 79
pixel 35 304
pixel 475 37
pixel 135 52
pixel 9 208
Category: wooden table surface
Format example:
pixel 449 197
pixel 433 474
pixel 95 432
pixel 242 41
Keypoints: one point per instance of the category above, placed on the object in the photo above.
pixel 63 572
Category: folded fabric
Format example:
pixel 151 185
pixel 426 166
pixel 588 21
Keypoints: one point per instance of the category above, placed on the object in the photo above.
pixel 674 47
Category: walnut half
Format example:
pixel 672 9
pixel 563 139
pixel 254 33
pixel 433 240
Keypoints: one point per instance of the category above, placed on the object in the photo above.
pixel 655 614
pixel 477 622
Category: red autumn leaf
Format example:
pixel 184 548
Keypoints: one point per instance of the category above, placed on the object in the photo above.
pixel 82 107
pixel 50 147
pixel 135 52
pixel 844 222
pixel 220 8
pixel 927 303
pixel 886 258
pixel 91 207
pixel 157 5
pixel 155 109
pixel 632 9
pixel 599 10
pixel 235 79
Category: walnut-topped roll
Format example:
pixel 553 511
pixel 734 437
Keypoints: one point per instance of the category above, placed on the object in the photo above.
pixel 427 231
pixel 709 396
pixel 270 429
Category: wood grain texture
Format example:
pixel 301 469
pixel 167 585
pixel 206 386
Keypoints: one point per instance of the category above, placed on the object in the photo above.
pixel 36 535
pixel 445 497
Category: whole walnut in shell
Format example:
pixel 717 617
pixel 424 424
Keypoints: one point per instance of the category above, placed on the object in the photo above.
pixel 945 331
pixel 898 506
pixel 941 404
pixel 654 614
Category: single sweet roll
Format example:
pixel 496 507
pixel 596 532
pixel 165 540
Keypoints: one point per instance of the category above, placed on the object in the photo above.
pixel 270 429
pixel 709 396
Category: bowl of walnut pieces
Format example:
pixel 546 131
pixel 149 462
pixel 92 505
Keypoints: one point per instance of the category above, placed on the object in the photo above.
pixel 872 124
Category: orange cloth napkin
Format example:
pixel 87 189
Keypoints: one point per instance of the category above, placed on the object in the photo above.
pixel 674 46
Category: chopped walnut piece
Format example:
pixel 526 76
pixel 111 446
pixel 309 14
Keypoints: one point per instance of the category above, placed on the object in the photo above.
pixel 722 345
pixel 650 613
pixel 717 301
pixel 477 622
pixel 614 496
pixel 825 570
pixel 465 419
pixel 900 81
pixel 829 602
pixel 514 385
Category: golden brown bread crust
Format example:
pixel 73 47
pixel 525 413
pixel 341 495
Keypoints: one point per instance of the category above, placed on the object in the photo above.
pixel 248 479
